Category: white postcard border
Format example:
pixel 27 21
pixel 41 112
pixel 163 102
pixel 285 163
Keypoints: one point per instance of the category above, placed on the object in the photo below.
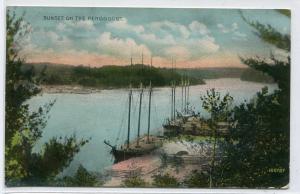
pixel 294 5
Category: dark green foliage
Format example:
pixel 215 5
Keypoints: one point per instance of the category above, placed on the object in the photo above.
pixel 82 178
pixel 166 180
pixel 23 128
pixel 176 162
pixel 54 79
pixel 212 73
pixel 53 74
pixel 134 182
pixel 247 74
pixel 164 160
pixel 220 109
pixel 197 180
pixel 270 35
pixel 110 76
pixel 285 12
pixel 105 77
pixel 117 76
pixel 56 155
pixel 277 69
pixel 257 146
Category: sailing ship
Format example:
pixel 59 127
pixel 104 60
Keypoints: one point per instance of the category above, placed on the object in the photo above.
pixel 141 145
pixel 173 125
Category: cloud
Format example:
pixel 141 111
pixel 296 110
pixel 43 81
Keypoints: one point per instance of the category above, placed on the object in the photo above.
pixel 42 39
pixel 177 52
pixel 234 27
pixel 154 39
pixel 208 44
pixel 141 33
pixel 61 26
pixel 87 25
pixel 154 32
pixel 237 33
pixel 222 28
pixel 166 27
pixel 160 39
pixel 200 47
pixel 69 26
pixel 120 47
pixel 58 40
pixel 123 25
pixel 217 60
pixel 201 28
pixel 172 39
pixel 234 30
pixel 239 36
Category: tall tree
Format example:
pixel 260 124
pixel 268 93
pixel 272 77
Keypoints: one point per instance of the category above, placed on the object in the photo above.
pixel 257 148
pixel 220 110
pixel 23 128
pixel 82 178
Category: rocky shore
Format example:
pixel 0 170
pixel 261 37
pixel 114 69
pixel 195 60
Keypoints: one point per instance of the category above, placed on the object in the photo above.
pixel 177 158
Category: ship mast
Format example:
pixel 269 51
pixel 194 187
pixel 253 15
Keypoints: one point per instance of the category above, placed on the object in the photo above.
pixel 172 91
pixel 188 95
pixel 171 101
pixel 131 61
pixel 139 119
pixel 174 94
pixel 185 108
pixel 182 95
pixel 187 91
pixel 129 111
pixel 149 111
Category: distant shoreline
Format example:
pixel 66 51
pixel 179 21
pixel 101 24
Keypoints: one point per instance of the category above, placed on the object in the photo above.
pixel 79 89
pixel 69 89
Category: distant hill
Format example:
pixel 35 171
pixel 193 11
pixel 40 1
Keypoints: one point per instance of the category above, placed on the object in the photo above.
pixel 245 74
pixel 213 73
pixel 122 76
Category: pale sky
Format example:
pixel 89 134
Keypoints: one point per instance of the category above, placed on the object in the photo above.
pixel 192 37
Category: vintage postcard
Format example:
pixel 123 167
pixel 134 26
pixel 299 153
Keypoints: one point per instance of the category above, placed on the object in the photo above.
pixel 147 97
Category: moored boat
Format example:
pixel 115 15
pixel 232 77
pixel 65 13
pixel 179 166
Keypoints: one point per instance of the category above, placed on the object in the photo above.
pixel 141 145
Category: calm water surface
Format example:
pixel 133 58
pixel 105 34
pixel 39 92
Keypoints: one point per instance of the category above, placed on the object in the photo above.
pixel 103 115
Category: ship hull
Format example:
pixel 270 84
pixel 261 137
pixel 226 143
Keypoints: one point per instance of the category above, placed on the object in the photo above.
pixel 171 130
pixel 121 155
pixel 135 151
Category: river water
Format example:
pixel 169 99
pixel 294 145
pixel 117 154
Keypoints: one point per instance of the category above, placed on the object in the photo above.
pixel 103 116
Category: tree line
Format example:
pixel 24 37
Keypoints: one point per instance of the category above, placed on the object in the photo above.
pixel 110 76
